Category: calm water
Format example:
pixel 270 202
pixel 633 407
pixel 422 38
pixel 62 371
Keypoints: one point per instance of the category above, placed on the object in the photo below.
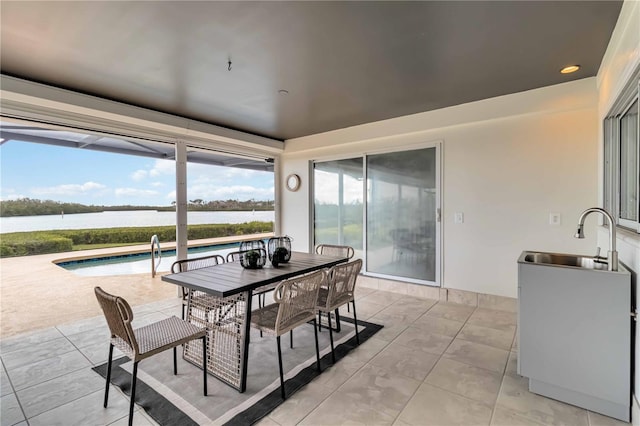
pixel 125 219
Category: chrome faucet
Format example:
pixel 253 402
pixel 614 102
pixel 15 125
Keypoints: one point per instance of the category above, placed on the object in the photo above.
pixel 612 254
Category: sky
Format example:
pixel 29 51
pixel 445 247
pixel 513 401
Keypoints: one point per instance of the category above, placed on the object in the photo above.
pixel 46 172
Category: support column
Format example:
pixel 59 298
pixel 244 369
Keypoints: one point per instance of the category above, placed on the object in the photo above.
pixel 181 200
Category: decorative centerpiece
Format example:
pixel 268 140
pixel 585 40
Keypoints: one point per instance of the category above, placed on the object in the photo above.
pixel 279 250
pixel 253 254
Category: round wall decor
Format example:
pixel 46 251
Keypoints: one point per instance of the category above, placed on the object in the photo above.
pixel 293 182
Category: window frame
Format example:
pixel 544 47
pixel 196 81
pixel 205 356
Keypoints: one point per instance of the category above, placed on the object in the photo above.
pixel 612 161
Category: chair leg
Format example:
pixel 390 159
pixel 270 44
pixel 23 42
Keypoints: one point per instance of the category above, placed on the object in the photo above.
pixel 333 353
pixel 319 321
pixel 204 362
pixel 175 361
pixel 315 331
pixel 280 366
pixel 291 339
pixel 355 321
pixel 338 320
pixel 133 392
pixel 106 389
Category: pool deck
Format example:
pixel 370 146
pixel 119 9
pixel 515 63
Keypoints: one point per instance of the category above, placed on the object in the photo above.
pixel 35 293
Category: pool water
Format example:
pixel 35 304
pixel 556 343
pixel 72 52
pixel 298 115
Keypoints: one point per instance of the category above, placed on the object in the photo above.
pixel 139 263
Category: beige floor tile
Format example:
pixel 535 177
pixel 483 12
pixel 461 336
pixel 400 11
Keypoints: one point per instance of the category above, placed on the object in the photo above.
pixel 487 336
pixel 515 396
pixel 267 421
pixel 505 417
pixel 512 365
pixel 466 380
pixel 379 297
pixel 438 325
pixel 367 350
pixel 478 355
pixel 334 376
pixel 300 404
pixel 596 419
pixel 434 406
pixel 409 362
pixel 364 310
pixel 413 304
pixel 417 338
pixel 451 311
pixel 372 395
pixel 500 320
pixel 393 326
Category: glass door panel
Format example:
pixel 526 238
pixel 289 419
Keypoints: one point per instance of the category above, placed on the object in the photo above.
pixel 401 214
pixel 338 203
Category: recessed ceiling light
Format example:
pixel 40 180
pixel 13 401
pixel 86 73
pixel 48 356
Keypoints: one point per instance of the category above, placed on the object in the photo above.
pixel 569 69
pixel 283 92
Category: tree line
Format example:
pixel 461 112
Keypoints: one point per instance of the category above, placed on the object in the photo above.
pixel 33 207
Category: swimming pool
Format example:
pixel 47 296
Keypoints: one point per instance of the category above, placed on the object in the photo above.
pixel 139 263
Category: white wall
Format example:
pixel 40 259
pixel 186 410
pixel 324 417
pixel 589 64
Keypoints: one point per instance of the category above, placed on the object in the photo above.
pixel 507 163
pixel 621 60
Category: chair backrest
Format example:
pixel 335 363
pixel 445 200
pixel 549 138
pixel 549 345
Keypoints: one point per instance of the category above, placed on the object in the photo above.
pixel 118 314
pixel 297 298
pixel 342 283
pixel 335 250
pixel 234 256
pixel 196 263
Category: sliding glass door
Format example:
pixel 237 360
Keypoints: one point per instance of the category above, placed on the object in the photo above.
pixel 338 203
pixel 401 214
pixel 385 206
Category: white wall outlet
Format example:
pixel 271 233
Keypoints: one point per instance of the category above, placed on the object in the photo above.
pixel 458 217
pixel 554 219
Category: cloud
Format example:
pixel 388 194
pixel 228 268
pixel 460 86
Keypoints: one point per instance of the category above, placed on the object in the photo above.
pixel 158 168
pixel 157 184
pixel 134 192
pixel 139 175
pixel 12 196
pixel 69 189
pixel 163 168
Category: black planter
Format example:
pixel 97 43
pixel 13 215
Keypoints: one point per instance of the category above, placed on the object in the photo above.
pixel 253 254
pixel 279 250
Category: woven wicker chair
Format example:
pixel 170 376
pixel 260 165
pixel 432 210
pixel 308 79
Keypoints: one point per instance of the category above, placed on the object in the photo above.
pixel 338 292
pixel 335 250
pixel 295 305
pixel 190 264
pixel 140 343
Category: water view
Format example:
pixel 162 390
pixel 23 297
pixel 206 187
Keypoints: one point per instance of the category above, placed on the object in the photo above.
pixel 113 219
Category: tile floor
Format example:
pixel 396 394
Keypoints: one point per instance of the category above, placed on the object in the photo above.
pixel 434 363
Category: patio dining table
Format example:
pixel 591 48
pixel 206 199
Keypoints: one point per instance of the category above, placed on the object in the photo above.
pixel 220 300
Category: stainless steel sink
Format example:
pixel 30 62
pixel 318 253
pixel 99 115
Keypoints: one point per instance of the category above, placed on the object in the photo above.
pixel 562 259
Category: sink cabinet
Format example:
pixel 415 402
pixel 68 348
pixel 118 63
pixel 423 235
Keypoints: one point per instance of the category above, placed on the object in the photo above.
pixel 574 331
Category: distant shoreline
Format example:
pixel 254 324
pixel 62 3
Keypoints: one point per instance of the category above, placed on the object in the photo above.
pixel 32 207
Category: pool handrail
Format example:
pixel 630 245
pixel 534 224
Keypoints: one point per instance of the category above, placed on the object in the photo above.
pixel 155 248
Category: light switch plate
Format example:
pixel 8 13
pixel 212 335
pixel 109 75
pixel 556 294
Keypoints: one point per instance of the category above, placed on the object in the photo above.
pixel 555 219
pixel 458 217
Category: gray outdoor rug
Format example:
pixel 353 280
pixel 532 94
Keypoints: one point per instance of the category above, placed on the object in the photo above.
pixel 178 400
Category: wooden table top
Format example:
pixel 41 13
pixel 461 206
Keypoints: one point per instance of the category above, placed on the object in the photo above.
pixel 231 278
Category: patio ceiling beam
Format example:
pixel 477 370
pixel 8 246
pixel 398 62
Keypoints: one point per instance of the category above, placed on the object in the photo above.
pixel 89 140
pixel 74 144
